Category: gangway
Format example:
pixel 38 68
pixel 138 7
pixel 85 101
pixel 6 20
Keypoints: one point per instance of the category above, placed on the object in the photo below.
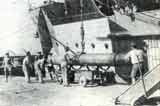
pixel 135 94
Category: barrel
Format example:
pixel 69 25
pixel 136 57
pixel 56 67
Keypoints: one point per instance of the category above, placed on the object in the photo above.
pixel 111 59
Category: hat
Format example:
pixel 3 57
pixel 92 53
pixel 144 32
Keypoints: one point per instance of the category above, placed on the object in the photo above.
pixel 7 53
pixel 28 53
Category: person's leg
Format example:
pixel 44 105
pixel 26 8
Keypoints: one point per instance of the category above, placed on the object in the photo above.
pixel 10 71
pixel 134 72
pixel 26 75
pixel 36 75
pixel 40 76
pixel 29 74
pixel 6 74
pixel 43 72
pixel 64 73
pixel 50 72
pixel 141 68
pixel 36 71
pixel 51 76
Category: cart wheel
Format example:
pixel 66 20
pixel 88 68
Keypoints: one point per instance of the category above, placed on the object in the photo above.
pixel 83 81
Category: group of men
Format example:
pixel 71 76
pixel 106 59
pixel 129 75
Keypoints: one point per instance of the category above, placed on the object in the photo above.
pixel 39 64
pixel 43 63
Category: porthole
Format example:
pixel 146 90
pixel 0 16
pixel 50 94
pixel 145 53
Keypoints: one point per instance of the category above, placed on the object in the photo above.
pixel 76 44
pixel 93 45
pixel 106 45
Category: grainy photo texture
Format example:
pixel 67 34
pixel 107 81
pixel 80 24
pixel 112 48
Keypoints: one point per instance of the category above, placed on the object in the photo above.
pixel 80 53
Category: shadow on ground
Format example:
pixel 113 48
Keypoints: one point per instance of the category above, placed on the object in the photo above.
pixel 152 101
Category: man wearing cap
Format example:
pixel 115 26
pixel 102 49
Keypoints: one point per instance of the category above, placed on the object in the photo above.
pixel 8 65
pixel 27 66
pixel 136 57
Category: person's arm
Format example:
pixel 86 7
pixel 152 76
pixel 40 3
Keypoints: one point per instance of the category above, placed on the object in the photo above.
pixel 12 61
pixel 3 63
pixel 144 55
pixel 127 57
pixel 24 62
pixel 39 66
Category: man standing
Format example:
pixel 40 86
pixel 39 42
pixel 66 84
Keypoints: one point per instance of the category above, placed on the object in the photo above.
pixel 64 65
pixel 27 66
pixel 35 67
pixel 8 65
pixel 39 66
pixel 136 56
pixel 50 66
pixel 40 56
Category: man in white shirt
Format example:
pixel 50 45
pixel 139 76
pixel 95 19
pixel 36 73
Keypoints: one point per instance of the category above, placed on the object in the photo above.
pixel 8 65
pixel 39 66
pixel 27 66
pixel 136 56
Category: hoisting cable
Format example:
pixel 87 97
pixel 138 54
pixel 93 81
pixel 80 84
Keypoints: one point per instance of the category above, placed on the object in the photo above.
pixel 82 28
pixel 101 3
pixel 64 45
pixel 60 41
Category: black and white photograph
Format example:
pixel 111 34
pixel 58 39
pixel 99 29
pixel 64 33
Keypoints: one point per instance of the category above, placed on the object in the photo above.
pixel 80 53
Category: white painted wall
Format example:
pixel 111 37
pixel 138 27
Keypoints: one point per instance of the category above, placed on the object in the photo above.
pixel 70 34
